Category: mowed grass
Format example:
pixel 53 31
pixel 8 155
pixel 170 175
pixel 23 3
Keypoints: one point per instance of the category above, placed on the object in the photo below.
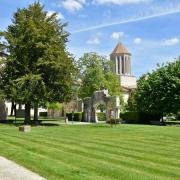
pixel 95 151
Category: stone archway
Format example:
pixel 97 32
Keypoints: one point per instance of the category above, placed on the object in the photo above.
pixel 112 103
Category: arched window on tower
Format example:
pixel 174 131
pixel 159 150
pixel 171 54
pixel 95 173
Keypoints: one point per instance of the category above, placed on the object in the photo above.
pixel 122 64
pixel 118 59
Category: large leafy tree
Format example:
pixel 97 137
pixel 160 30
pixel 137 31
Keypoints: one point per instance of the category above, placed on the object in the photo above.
pixel 158 91
pixel 95 72
pixel 38 69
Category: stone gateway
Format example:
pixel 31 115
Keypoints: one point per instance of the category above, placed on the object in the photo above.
pixel 112 104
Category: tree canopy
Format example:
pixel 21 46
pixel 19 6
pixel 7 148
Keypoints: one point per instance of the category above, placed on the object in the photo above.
pixel 158 91
pixel 95 72
pixel 38 69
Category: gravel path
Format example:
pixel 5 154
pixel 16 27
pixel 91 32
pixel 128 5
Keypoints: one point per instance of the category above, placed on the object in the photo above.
pixel 12 171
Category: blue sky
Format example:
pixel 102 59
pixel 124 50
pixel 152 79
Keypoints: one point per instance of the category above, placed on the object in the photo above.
pixel 148 28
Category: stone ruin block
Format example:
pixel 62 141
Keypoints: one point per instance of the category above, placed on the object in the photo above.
pixel 25 128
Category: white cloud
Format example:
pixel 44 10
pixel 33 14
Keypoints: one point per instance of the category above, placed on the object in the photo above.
pixel 157 12
pixel 118 2
pixel 137 40
pixel 73 5
pixel 93 40
pixel 59 15
pixel 117 35
pixel 170 42
pixel 82 1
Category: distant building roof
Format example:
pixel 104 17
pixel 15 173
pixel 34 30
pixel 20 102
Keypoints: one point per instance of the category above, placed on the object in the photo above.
pixel 120 49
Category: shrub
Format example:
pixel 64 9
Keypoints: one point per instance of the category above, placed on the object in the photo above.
pixel 140 117
pixel 178 116
pixel 43 114
pixel 114 121
pixel 101 116
pixel 77 116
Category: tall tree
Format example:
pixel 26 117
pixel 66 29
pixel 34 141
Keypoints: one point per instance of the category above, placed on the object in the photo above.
pixel 159 91
pixel 39 68
pixel 95 72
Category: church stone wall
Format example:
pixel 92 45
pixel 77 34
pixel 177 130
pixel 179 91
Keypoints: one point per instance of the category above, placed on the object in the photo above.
pixel 128 81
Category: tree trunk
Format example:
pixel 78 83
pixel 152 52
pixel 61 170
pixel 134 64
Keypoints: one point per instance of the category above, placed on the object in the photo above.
pixel 53 113
pixel 27 113
pixel 163 119
pixel 63 111
pixel 36 112
pixel 13 107
pixel 20 106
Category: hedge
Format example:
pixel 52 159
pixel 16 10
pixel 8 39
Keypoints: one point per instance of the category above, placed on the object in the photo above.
pixel 77 116
pixel 178 116
pixel 43 114
pixel 140 117
pixel 101 116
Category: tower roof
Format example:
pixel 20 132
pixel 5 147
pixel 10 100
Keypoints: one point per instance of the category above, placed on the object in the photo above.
pixel 120 49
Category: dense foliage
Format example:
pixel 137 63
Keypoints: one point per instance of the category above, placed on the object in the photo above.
pixel 158 91
pixel 38 68
pixel 96 74
pixel 101 116
pixel 76 116
pixel 140 117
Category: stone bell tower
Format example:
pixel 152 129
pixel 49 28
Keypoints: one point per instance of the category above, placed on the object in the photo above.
pixel 121 66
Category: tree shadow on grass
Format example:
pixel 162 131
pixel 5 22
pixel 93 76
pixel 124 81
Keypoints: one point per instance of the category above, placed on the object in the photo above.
pixel 32 123
pixel 101 125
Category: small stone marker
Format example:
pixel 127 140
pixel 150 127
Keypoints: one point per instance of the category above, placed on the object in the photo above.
pixel 25 128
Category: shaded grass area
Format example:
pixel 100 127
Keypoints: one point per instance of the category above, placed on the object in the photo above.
pixel 95 151
pixel 42 120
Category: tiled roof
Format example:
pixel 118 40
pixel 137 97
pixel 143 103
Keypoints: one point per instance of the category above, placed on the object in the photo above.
pixel 120 49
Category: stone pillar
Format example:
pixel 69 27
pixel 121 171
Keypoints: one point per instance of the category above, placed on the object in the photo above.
pixel 124 64
pixel 120 60
pixel 93 115
pixel 127 65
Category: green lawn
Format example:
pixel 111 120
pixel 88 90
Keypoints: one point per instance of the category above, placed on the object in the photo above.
pixel 95 151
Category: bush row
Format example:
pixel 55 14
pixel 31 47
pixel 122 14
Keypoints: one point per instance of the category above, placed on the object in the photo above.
pixel 114 121
pixel 140 117
pixel 178 116
pixel 77 116
pixel 43 114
